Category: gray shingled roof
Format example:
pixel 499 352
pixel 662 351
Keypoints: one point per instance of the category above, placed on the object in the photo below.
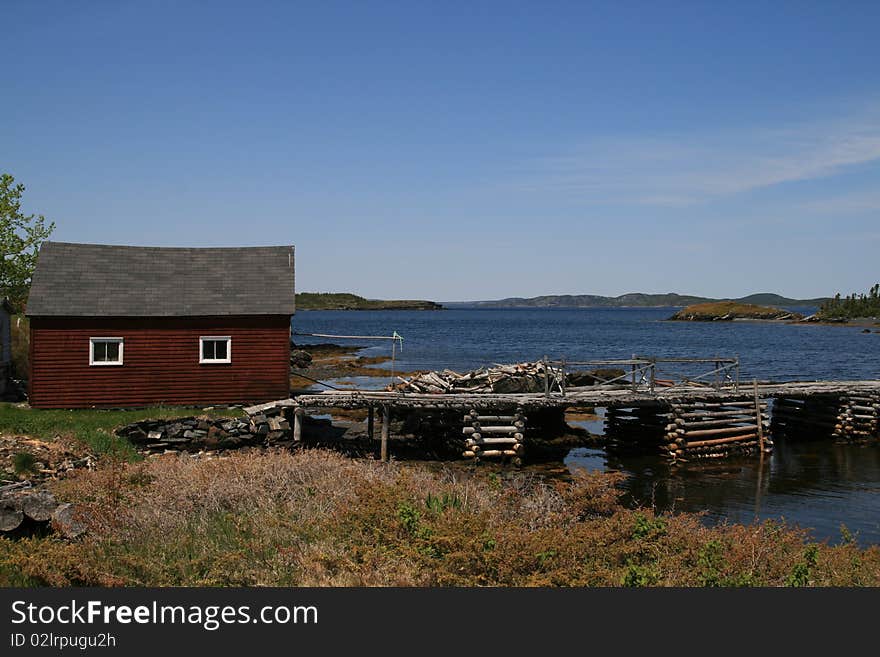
pixel 99 280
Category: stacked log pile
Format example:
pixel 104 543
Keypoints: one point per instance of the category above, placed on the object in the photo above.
pixel 517 378
pixel 808 418
pixel 638 427
pixel 495 435
pixel 504 379
pixel 717 429
pixel 22 506
pixel 859 417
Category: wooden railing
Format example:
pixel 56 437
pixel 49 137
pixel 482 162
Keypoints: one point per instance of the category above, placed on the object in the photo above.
pixel 640 373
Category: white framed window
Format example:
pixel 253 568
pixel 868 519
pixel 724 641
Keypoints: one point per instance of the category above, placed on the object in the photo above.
pixel 106 351
pixel 215 349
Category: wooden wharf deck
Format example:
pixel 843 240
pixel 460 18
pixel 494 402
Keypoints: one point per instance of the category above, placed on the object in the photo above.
pixel 685 420
pixel 596 396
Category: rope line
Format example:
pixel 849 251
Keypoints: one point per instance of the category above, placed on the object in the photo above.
pixel 396 336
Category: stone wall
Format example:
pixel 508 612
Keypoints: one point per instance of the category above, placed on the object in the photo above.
pixel 200 434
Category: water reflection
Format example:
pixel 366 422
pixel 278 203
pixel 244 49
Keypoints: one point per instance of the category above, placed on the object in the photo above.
pixel 817 485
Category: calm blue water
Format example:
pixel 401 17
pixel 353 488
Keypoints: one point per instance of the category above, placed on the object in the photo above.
pixel 466 339
pixel 817 485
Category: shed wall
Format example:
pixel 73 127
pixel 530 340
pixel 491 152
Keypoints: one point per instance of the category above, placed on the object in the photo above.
pixel 160 363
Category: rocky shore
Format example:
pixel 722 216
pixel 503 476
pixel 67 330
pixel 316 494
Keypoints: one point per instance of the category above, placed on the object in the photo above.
pixel 326 362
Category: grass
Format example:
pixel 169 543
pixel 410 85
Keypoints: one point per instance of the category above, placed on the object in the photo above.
pixel 93 427
pixel 732 310
pixel 317 518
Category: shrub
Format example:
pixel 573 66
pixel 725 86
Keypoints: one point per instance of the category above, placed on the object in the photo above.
pixel 24 463
pixel 315 518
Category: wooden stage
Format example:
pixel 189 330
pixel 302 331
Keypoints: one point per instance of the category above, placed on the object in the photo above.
pixel 595 396
pixel 683 421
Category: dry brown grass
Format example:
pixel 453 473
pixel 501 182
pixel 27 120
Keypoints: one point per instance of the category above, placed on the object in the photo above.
pixel 316 518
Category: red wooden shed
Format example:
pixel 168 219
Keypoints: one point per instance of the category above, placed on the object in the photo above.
pixel 119 326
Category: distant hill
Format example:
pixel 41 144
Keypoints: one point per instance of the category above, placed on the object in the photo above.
pixel 768 299
pixel 632 300
pixel 346 301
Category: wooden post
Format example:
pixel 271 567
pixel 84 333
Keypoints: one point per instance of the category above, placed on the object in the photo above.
pixel 386 427
pixel 760 420
pixel 393 354
pixel 758 486
pixel 546 378
pixel 370 422
pixel 297 425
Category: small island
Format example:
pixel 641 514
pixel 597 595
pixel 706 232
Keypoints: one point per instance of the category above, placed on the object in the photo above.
pixel 723 311
pixel 347 301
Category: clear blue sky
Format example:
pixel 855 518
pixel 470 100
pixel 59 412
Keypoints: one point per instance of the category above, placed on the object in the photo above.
pixel 462 150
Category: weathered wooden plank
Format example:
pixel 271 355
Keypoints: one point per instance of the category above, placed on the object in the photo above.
pixel 297 425
pixel 713 401
pixel 721 441
pixel 386 428
pixel 489 452
pixel 687 426
pixel 718 432
pixel 491 441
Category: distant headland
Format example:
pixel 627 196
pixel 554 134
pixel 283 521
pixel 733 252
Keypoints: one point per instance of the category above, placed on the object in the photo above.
pixel 850 309
pixel 633 300
pixel 346 301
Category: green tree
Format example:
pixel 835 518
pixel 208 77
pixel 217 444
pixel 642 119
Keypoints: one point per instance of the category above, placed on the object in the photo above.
pixel 20 239
pixel 852 306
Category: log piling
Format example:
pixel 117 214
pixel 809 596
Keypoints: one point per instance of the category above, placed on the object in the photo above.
pixel 505 439
pixel 711 430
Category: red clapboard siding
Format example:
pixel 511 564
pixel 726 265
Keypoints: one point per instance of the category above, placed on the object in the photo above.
pixel 161 361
